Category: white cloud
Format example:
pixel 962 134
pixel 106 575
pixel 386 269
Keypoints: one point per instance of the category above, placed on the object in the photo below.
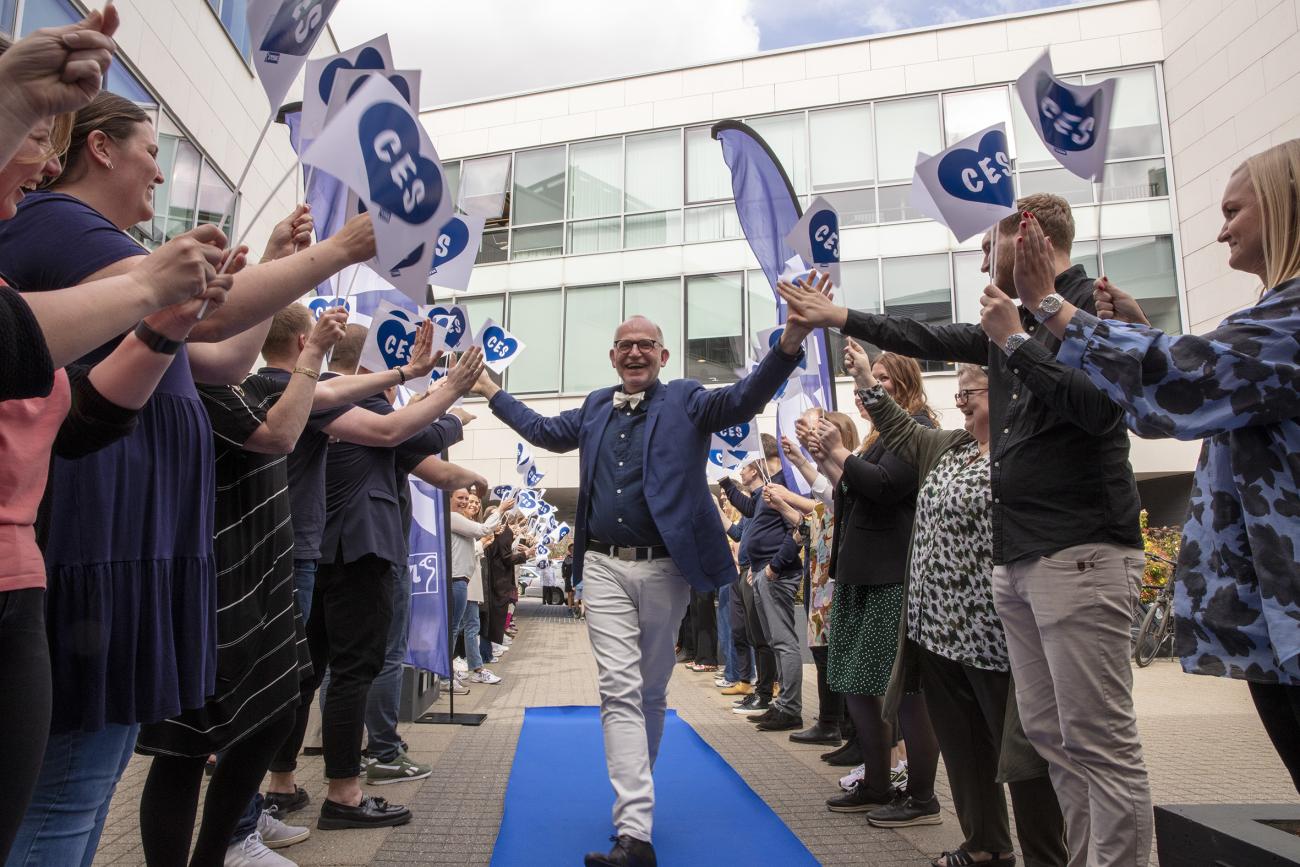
pixel 489 47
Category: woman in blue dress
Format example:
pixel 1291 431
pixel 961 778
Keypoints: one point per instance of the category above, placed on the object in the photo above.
pixel 128 538
pixel 1237 387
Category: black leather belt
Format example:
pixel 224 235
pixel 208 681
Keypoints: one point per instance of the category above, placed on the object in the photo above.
pixel 647 552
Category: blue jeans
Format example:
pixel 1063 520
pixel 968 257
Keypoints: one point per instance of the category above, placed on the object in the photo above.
pixel 385 695
pixel 730 668
pixel 469 626
pixel 68 808
pixel 459 599
pixel 248 822
pixel 304 582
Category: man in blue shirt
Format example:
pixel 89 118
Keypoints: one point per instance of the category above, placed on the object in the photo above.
pixel 647 532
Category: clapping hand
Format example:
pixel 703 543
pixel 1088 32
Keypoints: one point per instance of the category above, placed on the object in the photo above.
pixel 829 436
pixel 811 306
pixel 1114 303
pixel 1035 267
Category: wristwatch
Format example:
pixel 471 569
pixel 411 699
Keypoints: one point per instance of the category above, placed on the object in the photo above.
pixel 1049 307
pixel 156 342
pixel 1014 342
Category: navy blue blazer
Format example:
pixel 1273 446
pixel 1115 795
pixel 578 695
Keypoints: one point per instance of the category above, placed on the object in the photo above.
pixel 680 421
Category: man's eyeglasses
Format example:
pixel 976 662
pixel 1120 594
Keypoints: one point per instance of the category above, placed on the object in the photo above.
pixel 623 347
pixel 964 395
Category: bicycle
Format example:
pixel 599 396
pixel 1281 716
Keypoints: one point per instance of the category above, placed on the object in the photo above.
pixel 1157 625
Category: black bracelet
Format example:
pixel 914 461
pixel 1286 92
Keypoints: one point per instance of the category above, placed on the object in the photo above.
pixel 401 375
pixel 157 342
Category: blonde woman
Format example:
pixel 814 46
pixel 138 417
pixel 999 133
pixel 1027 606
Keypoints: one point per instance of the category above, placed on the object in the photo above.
pixel 1237 387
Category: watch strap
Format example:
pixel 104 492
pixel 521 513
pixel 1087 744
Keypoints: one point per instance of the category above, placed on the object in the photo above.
pixel 1014 342
pixel 156 342
pixel 1049 306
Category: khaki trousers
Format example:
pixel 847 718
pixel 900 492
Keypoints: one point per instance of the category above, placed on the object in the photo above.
pixel 1067 618
pixel 633 612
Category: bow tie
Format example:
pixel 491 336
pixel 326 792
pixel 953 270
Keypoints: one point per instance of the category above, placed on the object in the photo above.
pixel 630 401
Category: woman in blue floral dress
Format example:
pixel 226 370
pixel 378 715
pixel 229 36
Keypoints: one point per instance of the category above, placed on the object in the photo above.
pixel 1237 387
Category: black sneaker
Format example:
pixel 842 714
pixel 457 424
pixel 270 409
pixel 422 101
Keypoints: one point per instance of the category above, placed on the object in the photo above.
pixel 372 812
pixel 284 803
pixel 780 721
pixel 860 799
pixel 847 756
pixel 753 705
pixel 770 713
pixel 905 812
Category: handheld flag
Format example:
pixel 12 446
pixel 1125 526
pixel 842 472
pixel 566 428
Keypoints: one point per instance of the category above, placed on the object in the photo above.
pixel 1073 120
pixel 390 340
pixel 500 347
pixel 284 33
pixel 453 258
pixel 318 80
pixel 969 186
pixel 816 238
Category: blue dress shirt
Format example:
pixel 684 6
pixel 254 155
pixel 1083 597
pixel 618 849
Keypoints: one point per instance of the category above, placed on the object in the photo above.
pixel 619 514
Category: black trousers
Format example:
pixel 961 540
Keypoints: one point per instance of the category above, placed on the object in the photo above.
pixel 351 610
pixel 25 708
pixel 968 708
pixel 830 703
pixel 740 633
pixel 764 656
pixel 1278 706
pixel 704 623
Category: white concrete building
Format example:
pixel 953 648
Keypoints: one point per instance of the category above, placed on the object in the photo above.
pixel 619 201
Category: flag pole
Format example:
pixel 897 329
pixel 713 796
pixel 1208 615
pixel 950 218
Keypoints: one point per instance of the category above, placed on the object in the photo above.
pixel 1100 187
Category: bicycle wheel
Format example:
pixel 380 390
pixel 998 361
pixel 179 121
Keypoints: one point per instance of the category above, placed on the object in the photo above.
pixel 1151 634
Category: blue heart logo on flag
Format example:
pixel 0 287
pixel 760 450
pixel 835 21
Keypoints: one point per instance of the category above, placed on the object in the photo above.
pixel 395 340
pixel 409 260
pixel 502 492
pixel 982 175
pixel 454 319
pixel 401 180
pixel 398 81
pixel 1066 125
pixel 317 306
pixel 368 58
pixel 528 499
pixel 564 531
pixel 498 345
pixel 734 435
pixel 451 242
pixel 534 477
pixel 824 235
pixel 296 25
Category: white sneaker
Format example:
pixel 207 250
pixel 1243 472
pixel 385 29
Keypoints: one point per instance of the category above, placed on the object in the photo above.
pixel 484 676
pixel 459 664
pixel 849 780
pixel 494 660
pixel 461 675
pixel 276 834
pixel 498 649
pixel 458 688
pixel 252 852
pixel 507 641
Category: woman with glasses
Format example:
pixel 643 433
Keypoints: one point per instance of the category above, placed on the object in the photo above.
pixel 949 633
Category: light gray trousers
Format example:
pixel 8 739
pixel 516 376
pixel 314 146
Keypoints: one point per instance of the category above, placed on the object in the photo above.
pixel 634 610
pixel 1067 618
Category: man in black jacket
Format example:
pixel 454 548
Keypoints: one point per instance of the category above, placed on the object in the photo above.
pixel 773 554
pixel 1066 544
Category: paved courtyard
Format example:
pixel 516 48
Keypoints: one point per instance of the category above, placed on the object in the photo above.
pixel 1203 744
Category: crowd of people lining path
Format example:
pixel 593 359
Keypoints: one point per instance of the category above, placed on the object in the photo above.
pixel 190 552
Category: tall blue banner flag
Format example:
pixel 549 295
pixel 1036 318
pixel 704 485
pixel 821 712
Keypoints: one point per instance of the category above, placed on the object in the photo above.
pixel 769 210
pixel 427 566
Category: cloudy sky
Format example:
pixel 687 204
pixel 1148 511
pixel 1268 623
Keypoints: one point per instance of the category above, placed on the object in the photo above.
pixel 475 48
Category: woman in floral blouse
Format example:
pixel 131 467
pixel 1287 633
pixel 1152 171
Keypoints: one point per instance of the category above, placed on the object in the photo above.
pixel 1237 597
pixel 950 633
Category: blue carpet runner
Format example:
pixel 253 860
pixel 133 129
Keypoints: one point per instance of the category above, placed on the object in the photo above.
pixel 557 805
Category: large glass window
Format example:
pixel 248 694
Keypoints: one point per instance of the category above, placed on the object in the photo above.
pixel 660 301
pixel 653 172
pixel 451 171
pixel 970 284
pixel 494 247
pixel 1139 179
pixel 712 223
pixel 842 149
pixel 707 177
pixel 903 127
pixel 215 198
pixel 38 14
pixel 919 287
pixel 8 11
pixel 539 186
pixel 484 187
pixel 1066 184
pixel 594 236
pixel 184 183
pixel 1135 119
pixel 896 204
pixel 591 313
pixel 969 111
pixel 855 207
pixel 714 331
pixel 535 319
pixel 596 178
pixel 860 291
pixel 1144 268
pixel 762 307
pixel 652 230
pixel 234 17
pixel 787 136
pixel 536 242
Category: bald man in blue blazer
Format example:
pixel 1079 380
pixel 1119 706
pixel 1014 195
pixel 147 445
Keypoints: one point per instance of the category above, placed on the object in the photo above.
pixel 647 531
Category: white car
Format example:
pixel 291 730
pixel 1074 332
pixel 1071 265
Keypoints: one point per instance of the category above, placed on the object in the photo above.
pixel 530 577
